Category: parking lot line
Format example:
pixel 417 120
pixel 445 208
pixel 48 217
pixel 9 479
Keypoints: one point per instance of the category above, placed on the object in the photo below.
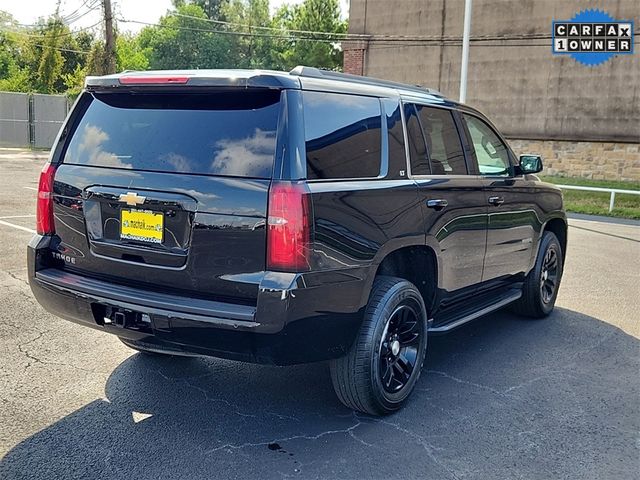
pixel 16 216
pixel 2 222
pixel 31 188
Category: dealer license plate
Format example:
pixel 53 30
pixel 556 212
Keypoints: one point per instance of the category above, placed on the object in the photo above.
pixel 141 225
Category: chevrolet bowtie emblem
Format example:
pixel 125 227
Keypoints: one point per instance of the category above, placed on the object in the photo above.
pixel 131 198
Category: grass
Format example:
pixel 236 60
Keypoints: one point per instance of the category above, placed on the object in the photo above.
pixel 597 203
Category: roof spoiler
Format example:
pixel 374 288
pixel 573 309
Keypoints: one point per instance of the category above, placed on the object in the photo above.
pixel 192 78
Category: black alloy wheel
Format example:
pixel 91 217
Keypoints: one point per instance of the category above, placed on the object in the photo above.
pixel 549 275
pixel 399 348
pixel 540 288
pixel 381 369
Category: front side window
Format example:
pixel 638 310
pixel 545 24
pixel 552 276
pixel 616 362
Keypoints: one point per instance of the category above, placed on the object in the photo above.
pixel 444 148
pixel 491 152
pixel 343 135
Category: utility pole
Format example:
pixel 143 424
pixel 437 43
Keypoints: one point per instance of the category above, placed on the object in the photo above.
pixel 110 40
pixel 465 51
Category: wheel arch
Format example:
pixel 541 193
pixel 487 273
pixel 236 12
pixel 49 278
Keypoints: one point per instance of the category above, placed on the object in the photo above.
pixel 559 227
pixel 417 264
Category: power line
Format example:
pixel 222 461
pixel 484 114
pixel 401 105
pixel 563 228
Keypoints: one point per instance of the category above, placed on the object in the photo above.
pixel 74 16
pixel 259 27
pixel 77 17
pixel 401 40
pixel 374 37
pixel 226 32
pixel 82 52
pixel 459 44
pixel 32 35
pixel 308 35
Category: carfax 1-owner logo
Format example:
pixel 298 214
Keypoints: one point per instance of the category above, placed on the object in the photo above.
pixel 592 37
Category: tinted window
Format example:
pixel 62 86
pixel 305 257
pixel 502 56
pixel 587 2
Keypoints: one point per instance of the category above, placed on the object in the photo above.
pixel 343 135
pixel 491 152
pixel 417 147
pixel 443 142
pixel 395 132
pixel 220 134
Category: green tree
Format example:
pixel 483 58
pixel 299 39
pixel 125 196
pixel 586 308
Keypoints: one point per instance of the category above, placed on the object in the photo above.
pixel 211 8
pixel 131 55
pixel 52 61
pixel 256 48
pixel 313 50
pixel 74 81
pixel 95 63
pixel 183 42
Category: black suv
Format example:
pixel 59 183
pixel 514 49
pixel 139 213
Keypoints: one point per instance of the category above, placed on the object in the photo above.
pixel 290 217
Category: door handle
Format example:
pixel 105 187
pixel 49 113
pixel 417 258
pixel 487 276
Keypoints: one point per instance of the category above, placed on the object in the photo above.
pixel 496 200
pixel 438 204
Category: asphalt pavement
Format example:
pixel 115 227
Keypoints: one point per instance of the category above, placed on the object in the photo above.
pixel 501 398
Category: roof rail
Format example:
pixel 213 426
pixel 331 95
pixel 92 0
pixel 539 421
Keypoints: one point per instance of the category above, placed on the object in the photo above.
pixel 312 72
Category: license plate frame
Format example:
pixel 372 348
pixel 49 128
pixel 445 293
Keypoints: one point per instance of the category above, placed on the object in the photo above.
pixel 144 226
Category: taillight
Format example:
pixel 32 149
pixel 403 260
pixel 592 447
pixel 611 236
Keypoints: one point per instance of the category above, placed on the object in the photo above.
pixel 288 228
pixel 44 209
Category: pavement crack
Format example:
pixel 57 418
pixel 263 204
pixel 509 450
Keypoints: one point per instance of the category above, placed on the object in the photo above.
pixel 471 384
pixel 420 440
pixel 15 277
pixel 230 447
pixel 22 348
pixel 209 398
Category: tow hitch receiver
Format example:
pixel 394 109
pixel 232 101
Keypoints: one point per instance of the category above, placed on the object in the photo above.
pixel 108 315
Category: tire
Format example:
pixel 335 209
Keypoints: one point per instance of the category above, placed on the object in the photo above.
pixel 537 300
pixel 154 350
pixel 366 379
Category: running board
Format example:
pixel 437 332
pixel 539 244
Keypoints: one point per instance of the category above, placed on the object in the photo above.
pixel 503 302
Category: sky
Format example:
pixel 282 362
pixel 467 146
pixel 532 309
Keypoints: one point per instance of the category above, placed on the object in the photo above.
pixel 28 11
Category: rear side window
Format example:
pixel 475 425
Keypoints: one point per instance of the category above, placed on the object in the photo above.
pixel 417 146
pixel 231 134
pixel 342 135
pixel 444 148
pixel 395 132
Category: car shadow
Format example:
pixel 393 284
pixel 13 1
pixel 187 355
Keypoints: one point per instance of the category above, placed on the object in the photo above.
pixel 500 398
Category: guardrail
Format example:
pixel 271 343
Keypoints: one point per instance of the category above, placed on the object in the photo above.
pixel 612 191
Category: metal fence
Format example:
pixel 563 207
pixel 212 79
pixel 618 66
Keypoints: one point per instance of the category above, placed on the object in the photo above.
pixel 611 191
pixel 31 120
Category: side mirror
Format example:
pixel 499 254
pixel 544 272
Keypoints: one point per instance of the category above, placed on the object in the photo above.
pixel 530 163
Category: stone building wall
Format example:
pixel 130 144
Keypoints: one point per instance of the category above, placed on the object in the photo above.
pixel 595 160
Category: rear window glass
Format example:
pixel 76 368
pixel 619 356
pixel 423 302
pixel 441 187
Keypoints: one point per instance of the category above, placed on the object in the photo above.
pixel 231 134
pixel 343 135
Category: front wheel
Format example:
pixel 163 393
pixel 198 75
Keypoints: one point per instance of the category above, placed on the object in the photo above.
pixel 383 365
pixel 540 288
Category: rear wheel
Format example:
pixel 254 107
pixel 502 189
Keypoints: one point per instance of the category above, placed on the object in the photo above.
pixel 154 350
pixel 541 285
pixel 384 363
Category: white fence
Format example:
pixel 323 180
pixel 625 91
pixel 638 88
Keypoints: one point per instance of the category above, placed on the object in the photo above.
pixel 611 191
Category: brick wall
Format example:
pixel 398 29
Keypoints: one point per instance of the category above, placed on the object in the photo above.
pixel 596 160
pixel 353 61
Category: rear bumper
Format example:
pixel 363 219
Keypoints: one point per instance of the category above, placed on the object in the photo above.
pixel 297 318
